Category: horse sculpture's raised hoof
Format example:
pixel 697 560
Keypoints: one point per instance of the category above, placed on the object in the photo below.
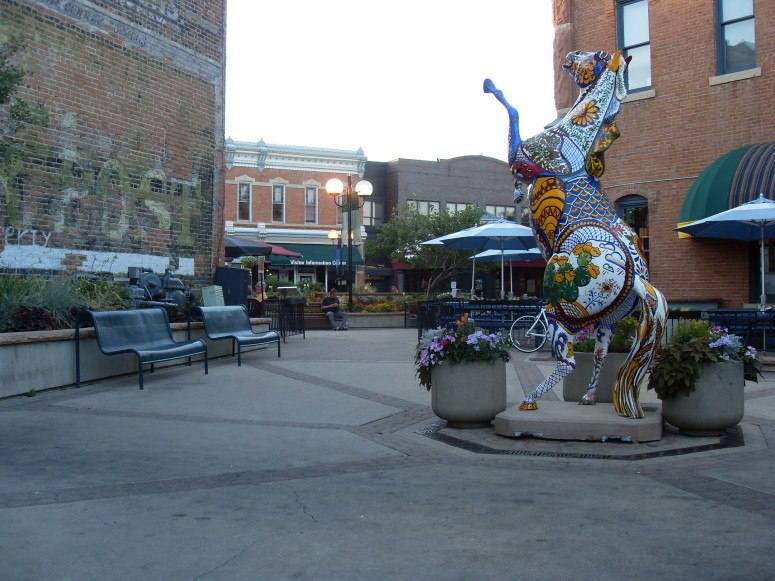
pixel 526 406
pixel 587 399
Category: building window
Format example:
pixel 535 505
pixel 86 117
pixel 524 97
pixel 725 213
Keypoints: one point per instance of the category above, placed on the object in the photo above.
pixel 455 207
pixel 310 205
pixel 526 218
pixel 278 203
pixel 735 35
pixel 423 207
pixel 243 202
pixel 633 29
pixel 507 212
pixel 634 210
pixel 373 213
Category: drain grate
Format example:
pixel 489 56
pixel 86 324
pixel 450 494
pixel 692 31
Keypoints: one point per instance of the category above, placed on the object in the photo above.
pixel 732 439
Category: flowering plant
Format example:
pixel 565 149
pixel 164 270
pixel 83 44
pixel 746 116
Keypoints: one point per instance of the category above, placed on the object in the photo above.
pixel 678 365
pixel 464 342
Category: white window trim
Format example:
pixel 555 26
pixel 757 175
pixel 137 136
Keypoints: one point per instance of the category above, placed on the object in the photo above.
pixel 736 76
pixel 285 198
pixel 317 202
pixel 250 201
pixel 639 95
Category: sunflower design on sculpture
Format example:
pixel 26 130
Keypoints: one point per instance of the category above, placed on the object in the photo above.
pixel 607 287
pixel 586 247
pixel 585 113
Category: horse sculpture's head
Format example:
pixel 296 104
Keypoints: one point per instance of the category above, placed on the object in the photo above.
pixel 586 67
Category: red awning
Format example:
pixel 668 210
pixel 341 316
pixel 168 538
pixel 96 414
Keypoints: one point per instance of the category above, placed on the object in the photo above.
pixel 280 251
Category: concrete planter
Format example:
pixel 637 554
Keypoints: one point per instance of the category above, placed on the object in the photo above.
pixel 376 320
pixel 575 385
pixel 716 404
pixel 469 395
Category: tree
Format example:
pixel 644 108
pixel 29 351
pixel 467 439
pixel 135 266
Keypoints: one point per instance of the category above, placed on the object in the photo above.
pixel 400 237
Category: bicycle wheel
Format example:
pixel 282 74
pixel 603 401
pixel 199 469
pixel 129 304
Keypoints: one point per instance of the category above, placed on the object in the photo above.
pixel 528 333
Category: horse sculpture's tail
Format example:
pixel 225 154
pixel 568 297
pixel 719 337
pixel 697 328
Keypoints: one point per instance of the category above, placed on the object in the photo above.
pixel 652 324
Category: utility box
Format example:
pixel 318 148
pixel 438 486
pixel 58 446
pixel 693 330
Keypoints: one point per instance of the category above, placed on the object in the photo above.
pixel 235 283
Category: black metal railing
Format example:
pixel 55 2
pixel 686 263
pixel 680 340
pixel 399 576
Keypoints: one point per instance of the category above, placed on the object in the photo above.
pixel 755 327
pixel 286 316
pixel 495 316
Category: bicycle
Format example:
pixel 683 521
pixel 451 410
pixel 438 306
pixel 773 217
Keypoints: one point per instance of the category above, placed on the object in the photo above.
pixel 529 333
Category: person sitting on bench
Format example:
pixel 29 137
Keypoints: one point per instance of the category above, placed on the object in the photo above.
pixel 330 306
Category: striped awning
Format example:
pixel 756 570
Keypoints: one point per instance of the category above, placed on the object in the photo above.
pixel 736 177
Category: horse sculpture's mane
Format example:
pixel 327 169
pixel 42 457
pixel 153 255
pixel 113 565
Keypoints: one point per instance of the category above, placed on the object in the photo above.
pixel 596 271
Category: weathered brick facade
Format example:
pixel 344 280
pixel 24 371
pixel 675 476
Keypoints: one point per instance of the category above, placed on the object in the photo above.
pixel 669 138
pixel 129 170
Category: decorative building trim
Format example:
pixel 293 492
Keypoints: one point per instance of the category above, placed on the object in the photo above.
pixel 264 155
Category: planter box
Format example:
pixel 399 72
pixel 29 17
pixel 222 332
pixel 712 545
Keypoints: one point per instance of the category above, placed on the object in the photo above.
pixel 43 360
pixel 575 385
pixel 469 394
pixel 717 403
pixel 376 320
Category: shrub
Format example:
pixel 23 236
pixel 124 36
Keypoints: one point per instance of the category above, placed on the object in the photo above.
pixel 43 303
pixel 621 342
pixel 677 365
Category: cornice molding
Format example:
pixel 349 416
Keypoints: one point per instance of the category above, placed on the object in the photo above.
pixel 263 155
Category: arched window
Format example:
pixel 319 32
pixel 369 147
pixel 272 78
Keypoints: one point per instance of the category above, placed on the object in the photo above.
pixel 634 210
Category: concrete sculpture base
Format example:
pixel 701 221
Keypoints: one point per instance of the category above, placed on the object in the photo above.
pixel 559 420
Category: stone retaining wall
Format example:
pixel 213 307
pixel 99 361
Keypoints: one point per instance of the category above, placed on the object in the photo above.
pixel 40 360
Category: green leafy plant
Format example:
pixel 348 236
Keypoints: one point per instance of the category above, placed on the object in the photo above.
pixel 249 261
pixel 100 293
pixel 37 303
pixel 621 342
pixel 677 365
pixel 462 343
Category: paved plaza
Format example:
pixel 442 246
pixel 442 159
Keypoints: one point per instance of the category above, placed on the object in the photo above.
pixel 328 463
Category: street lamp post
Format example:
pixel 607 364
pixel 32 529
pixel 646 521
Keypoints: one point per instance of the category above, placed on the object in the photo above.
pixel 350 201
pixel 335 236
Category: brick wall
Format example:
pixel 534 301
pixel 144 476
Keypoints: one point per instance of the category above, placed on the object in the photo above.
pixel 669 139
pixel 128 171
pixel 295 182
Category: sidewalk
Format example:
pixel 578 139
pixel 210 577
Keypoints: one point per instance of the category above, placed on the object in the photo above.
pixel 329 464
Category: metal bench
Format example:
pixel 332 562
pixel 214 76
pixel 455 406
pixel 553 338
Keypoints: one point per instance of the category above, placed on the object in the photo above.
pixel 144 332
pixel 233 323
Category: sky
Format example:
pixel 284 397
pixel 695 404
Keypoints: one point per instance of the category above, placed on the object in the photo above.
pixel 399 79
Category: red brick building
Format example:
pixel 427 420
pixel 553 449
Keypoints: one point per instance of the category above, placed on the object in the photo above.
pixel 276 194
pixel 701 86
pixel 128 171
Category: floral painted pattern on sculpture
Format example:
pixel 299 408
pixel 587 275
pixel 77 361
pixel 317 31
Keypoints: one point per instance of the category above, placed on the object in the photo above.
pixel 596 272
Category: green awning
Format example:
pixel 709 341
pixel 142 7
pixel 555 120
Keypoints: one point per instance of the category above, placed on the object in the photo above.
pixel 736 177
pixel 314 255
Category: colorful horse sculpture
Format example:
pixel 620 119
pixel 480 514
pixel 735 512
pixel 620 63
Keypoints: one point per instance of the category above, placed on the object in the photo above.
pixel 596 271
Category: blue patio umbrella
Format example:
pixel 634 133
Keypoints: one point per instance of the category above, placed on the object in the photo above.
pixel 510 256
pixel 501 236
pixel 751 221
